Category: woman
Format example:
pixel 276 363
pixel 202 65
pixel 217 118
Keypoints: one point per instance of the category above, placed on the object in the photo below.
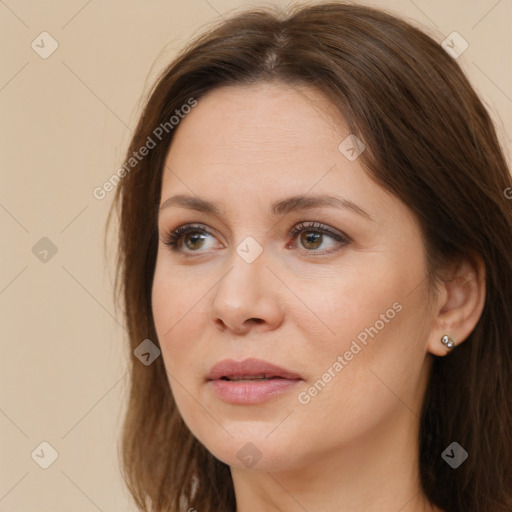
pixel 316 239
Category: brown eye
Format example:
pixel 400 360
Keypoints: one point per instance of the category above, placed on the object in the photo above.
pixel 312 236
pixel 193 240
pixel 192 237
pixel 310 239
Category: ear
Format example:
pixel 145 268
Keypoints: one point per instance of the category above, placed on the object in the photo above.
pixel 459 303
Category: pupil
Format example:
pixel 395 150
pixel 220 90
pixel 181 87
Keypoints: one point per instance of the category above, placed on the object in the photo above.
pixel 312 238
pixel 197 237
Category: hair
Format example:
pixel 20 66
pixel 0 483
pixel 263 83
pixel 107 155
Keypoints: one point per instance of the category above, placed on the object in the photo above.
pixel 430 142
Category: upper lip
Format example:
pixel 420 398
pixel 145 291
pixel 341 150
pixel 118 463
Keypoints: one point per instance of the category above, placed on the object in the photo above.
pixel 229 368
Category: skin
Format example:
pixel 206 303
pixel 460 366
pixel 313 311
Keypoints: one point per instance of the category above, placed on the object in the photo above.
pixel 353 446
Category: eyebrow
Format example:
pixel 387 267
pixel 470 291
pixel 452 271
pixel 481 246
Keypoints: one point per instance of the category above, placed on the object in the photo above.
pixel 281 207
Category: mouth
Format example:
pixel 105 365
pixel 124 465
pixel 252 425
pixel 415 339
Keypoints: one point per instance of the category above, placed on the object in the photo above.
pixel 250 381
pixel 249 369
pixel 250 378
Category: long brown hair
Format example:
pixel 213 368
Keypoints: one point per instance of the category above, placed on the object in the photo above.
pixel 429 141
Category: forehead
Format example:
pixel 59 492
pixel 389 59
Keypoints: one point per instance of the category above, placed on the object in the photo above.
pixel 262 117
pixel 274 128
pixel 248 149
pixel 253 145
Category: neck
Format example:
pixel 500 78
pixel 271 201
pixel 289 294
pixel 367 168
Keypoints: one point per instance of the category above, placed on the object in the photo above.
pixel 376 472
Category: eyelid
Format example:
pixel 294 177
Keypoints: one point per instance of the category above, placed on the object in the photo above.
pixel 172 237
pixel 168 237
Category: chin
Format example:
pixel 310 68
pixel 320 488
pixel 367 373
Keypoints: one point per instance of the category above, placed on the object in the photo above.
pixel 252 448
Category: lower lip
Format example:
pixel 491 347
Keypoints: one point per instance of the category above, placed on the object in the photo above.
pixel 246 392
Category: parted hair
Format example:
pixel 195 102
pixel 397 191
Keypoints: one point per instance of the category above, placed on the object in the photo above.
pixel 431 142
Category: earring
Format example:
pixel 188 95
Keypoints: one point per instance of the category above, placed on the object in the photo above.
pixel 446 340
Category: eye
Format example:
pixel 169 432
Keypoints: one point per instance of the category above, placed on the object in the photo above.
pixel 193 237
pixel 311 237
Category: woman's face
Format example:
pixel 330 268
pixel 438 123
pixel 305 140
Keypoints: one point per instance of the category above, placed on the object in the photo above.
pixel 340 307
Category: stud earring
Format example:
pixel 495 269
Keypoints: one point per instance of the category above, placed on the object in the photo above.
pixel 448 342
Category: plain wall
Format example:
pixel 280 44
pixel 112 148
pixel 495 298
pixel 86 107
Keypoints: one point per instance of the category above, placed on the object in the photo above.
pixel 65 124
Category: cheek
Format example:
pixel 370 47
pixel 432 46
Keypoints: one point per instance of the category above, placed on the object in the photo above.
pixel 172 306
pixel 346 302
pixel 372 329
pixel 180 302
pixel 176 326
pixel 177 293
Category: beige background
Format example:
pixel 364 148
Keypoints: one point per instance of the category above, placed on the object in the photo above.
pixel 65 123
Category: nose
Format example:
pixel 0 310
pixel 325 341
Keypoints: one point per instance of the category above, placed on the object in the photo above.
pixel 247 298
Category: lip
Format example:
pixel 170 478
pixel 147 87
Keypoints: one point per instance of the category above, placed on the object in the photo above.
pixel 249 367
pixel 280 380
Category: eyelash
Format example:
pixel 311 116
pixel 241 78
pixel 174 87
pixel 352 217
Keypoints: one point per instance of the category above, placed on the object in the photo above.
pixel 172 238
